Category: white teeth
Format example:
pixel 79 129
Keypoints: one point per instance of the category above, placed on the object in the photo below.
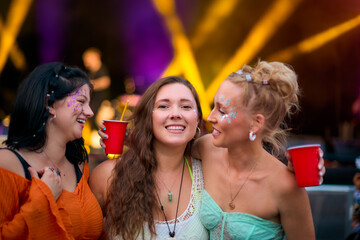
pixel 81 121
pixel 215 131
pixel 175 128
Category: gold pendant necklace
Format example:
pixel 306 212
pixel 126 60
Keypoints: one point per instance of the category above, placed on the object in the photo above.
pixel 231 203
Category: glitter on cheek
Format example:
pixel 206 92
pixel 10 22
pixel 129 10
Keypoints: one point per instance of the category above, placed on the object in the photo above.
pixel 78 108
pixel 71 103
pixel 228 120
pixel 233 115
pixel 227 102
pixel 196 114
pixel 224 117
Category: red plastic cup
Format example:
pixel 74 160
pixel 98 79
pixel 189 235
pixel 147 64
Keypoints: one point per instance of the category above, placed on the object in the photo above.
pixel 116 131
pixel 305 159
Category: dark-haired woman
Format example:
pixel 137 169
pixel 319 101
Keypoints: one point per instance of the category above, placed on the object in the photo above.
pixel 44 191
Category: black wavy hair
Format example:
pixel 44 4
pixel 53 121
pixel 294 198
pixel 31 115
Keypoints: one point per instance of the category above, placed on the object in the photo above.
pixel 46 84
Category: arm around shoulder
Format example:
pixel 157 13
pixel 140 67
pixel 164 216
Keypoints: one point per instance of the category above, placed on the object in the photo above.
pixel 100 179
pixel 295 210
pixel 200 146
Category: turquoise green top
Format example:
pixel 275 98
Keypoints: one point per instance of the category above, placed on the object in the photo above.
pixel 236 225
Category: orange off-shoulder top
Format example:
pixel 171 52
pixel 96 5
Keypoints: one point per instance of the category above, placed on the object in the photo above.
pixel 28 210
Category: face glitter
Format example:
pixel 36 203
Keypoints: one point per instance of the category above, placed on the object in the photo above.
pixel 73 103
pixel 230 116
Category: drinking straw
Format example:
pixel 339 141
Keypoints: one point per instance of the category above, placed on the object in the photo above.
pixel 122 115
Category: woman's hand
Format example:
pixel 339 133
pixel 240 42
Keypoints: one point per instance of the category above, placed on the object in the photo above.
pixel 50 177
pixel 102 134
pixel 321 165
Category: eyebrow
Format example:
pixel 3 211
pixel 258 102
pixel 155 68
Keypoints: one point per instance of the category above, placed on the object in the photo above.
pixel 168 100
pixel 223 106
pixel 81 95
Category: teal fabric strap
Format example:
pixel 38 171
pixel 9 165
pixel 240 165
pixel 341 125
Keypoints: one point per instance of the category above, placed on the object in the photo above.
pixel 191 174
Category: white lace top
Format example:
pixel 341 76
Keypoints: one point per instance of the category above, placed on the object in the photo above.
pixel 188 225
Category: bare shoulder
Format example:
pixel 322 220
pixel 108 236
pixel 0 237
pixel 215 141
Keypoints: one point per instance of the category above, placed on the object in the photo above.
pixel 203 146
pixel 283 181
pixel 205 141
pixel 199 145
pixel 100 179
pixel 9 161
pixel 293 204
pixel 101 173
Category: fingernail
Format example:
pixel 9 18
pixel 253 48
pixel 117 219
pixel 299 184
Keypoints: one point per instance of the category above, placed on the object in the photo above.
pixel 102 145
pixel 321 174
pixel 106 136
pixel 103 128
pixel 321 154
pixel 319 166
pixel 320 182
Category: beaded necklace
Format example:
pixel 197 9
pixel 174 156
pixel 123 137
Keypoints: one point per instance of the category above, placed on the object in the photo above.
pixel 172 234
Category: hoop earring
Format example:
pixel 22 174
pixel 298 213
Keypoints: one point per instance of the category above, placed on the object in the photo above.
pixel 53 117
pixel 198 133
pixel 252 136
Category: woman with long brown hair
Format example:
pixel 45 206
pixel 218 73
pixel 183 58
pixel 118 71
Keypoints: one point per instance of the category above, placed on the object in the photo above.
pixel 154 190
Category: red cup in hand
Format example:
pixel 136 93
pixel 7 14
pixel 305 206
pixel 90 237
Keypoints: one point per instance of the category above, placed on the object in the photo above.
pixel 116 131
pixel 305 159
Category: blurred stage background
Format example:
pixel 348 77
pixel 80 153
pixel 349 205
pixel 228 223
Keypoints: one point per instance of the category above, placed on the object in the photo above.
pixel 204 41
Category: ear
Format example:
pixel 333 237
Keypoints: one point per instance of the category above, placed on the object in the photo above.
pixel 258 122
pixel 51 110
pixel 47 105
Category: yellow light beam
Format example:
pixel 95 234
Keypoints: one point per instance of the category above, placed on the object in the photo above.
pixel 15 18
pixel 183 55
pixel 312 43
pixel 173 68
pixel 16 55
pixel 216 12
pixel 277 14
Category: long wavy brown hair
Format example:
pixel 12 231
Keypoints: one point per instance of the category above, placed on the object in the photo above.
pixel 131 198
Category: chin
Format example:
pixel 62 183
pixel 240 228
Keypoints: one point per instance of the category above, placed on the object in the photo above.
pixel 77 136
pixel 217 143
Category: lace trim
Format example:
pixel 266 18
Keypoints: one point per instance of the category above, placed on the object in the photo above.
pixel 196 189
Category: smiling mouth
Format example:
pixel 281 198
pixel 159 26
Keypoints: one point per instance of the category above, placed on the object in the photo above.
pixel 175 128
pixel 82 121
pixel 215 132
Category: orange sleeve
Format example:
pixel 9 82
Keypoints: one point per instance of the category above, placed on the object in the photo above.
pixel 28 210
